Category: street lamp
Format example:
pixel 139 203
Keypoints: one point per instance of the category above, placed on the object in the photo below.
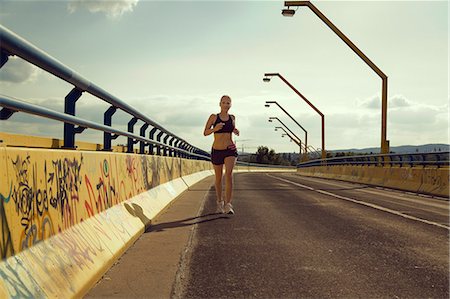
pixel 287 12
pixel 305 155
pixel 284 110
pixel 295 137
pixel 292 138
pixel 384 92
pixel 267 79
pixel 282 123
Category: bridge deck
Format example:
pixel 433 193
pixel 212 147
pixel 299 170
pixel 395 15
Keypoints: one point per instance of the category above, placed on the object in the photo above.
pixel 291 237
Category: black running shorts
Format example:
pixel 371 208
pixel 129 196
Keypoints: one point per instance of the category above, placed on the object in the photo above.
pixel 218 156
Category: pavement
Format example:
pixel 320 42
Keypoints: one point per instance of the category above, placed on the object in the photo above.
pixel 148 269
pixel 291 237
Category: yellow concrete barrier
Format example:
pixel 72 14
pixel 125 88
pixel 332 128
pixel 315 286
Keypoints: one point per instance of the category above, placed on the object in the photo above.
pixel 66 216
pixel 426 180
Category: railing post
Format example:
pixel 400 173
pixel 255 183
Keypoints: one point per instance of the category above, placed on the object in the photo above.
pixel 152 137
pixel 171 151
pixel 177 146
pixel 191 150
pixel 107 121
pixel 158 138
pixel 69 108
pixel 165 151
pixel 186 148
pixel 438 160
pixel 142 144
pixel 4 56
pixel 181 147
pixel 6 113
pixel 131 142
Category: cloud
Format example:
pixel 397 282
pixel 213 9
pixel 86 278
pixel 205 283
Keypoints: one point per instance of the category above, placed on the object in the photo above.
pixel 17 70
pixel 112 8
pixel 399 101
pixel 373 102
pixel 396 101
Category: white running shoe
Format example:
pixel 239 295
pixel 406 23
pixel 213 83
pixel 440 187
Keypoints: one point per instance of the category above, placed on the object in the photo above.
pixel 229 209
pixel 220 208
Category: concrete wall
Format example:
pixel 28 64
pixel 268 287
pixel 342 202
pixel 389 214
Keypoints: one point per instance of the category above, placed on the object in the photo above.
pixel 426 180
pixel 66 216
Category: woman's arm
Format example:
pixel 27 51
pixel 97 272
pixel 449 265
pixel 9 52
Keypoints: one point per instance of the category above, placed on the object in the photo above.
pixel 209 123
pixel 235 131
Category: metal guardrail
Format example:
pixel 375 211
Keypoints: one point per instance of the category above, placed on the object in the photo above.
pixel 12 44
pixel 83 124
pixel 437 159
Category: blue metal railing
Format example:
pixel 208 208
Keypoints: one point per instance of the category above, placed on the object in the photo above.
pixel 437 159
pixel 12 44
pixel 83 124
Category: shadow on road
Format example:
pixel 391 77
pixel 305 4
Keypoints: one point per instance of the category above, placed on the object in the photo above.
pixel 185 222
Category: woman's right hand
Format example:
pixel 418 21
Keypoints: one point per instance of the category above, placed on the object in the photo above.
pixel 218 127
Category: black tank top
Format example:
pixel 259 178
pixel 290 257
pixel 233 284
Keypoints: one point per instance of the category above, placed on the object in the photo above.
pixel 227 128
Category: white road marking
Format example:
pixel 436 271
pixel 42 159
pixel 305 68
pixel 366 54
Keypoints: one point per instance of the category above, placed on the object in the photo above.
pixel 437 203
pixel 363 203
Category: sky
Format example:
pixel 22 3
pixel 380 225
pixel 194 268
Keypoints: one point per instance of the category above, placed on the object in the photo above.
pixel 173 60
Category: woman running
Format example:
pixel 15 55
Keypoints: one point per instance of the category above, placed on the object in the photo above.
pixel 223 152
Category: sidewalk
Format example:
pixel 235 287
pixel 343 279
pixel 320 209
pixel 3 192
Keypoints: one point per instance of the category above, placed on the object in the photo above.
pixel 149 268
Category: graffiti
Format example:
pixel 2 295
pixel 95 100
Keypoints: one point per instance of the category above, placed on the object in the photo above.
pixel 23 193
pixel 32 199
pixel 49 268
pixel 104 195
pixel 40 229
pixel 132 172
pixel 66 175
pixel 6 245
pixel 432 177
pixel 16 279
pixel 77 248
pixel 49 195
pixel 146 166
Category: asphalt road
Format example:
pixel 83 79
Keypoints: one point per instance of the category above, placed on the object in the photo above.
pixel 295 237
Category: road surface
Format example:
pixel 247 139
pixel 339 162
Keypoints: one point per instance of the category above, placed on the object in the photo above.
pixel 296 237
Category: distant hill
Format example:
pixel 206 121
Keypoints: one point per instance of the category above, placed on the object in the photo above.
pixel 403 149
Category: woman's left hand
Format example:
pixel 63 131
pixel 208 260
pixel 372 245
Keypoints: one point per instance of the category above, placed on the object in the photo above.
pixel 236 131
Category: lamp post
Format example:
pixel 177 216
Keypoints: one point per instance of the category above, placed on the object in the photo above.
pixel 293 136
pixel 267 79
pixel 284 110
pixel 296 140
pixel 289 12
pixel 305 156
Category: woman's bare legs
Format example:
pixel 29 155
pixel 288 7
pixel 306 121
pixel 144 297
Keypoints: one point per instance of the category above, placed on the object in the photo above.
pixel 229 165
pixel 218 169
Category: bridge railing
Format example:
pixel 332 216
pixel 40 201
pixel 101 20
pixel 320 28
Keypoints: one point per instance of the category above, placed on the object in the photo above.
pixel 83 124
pixel 437 159
pixel 166 143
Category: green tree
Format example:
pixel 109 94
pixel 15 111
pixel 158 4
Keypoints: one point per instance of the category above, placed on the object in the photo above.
pixel 262 154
